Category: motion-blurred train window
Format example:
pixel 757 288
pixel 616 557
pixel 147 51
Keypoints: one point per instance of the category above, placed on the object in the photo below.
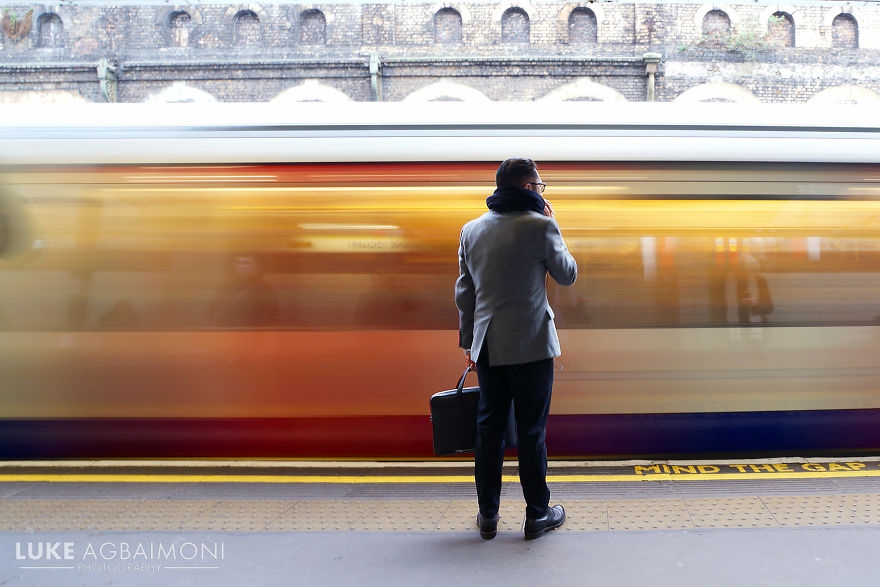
pixel 687 281
pixel 119 250
pixel 13 226
pixel 5 233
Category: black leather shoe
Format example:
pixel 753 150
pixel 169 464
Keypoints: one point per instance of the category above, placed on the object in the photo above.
pixel 488 526
pixel 537 527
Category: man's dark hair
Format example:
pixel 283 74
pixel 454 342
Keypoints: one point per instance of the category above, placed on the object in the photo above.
pixel 515 172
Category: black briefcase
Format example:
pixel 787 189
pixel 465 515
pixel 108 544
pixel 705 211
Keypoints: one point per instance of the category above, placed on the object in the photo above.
pixel 454 420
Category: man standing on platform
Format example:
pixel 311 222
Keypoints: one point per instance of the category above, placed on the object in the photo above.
pixel 506 329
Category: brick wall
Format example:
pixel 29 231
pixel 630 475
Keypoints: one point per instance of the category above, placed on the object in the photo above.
pixel 448 50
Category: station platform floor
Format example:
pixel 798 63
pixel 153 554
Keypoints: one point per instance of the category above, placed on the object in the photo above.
pixel 788 521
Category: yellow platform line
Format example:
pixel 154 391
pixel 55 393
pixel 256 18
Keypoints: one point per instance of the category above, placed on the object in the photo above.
pixel 404 479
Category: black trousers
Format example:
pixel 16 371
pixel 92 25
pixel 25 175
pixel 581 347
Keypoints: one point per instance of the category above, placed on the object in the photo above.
pixel 529 386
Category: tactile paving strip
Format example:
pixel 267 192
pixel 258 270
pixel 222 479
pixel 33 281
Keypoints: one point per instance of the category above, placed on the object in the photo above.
pixel 731 512
pixel 432 515
pixel 826 510
pixel 648 514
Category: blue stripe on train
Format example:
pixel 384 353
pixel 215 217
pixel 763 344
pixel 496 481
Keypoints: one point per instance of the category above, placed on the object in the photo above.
pixel 788 433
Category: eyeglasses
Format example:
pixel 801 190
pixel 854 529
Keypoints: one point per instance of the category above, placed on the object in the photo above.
pixel 539 187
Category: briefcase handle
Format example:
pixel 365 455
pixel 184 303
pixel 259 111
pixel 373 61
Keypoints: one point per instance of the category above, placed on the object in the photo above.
pixel 461 381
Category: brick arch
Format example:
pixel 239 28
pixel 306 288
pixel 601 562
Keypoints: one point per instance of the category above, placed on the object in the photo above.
pixel 845 31
pixel 163 17
pixel 716 92
pixel 584 89
pixel 782 30
pixel 181 26
pixel 329 15
pixel 448 26
pixel 312 27
pixel 590 31
pixel 835 11
pixel 717 23
pixel 446 90
pixel 255 8
pixel 516 26
pixel 180 92
pixel 845 95
pixel 701 12
pixel 562 19
pixel 232 14
pixel 502 8
pixel 246 32
pixel 467 16
pixel 50 30
pixel 311 91
pixel 796 13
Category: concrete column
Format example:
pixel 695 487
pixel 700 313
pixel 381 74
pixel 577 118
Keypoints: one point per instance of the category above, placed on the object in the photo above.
pixel 376 76
pixel 651 61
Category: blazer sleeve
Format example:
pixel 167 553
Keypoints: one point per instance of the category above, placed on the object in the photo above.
pixel 560 264
pixel 465 299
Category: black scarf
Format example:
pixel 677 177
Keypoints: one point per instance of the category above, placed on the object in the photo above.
pixel 510 199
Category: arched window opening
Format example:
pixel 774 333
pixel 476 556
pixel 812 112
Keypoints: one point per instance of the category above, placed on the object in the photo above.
pixel 246 29
pixel 780 32
pixel 716 28
pixel 515 26
pixel 180 24
pixel 447 27
pixel 51 31
pixel 844 32
pixel 313 29
pixel 582 27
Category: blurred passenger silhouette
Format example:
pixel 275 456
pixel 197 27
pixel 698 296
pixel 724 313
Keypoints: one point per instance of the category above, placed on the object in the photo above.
pixel 753 301
pixel 246 300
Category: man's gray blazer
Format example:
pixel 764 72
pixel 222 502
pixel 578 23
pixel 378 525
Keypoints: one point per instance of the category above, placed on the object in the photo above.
pixel 501 294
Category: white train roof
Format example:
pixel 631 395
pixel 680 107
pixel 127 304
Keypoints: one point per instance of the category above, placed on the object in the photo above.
pixel 312 132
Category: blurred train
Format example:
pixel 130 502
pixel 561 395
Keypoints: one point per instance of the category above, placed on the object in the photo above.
pixel 241 281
